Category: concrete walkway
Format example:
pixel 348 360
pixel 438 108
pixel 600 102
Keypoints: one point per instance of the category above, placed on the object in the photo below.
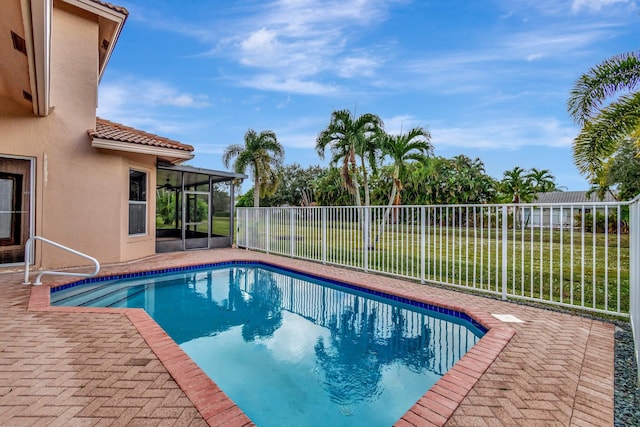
pixel 66 368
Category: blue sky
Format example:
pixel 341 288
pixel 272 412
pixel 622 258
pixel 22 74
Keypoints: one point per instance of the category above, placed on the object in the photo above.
pixel 489 79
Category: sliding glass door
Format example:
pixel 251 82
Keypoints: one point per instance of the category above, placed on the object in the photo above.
pixel 15 208
pixel 197 223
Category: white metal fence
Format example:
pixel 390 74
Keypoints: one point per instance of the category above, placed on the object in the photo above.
pixel 634 274
pixel 582 256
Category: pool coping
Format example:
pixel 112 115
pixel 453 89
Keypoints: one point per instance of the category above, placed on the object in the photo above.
pixel 434 408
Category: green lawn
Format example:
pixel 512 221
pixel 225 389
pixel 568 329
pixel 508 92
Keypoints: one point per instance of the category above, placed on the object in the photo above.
pixel 550 265
pixel 220 226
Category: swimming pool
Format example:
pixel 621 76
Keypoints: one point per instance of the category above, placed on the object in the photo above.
pixel 293 350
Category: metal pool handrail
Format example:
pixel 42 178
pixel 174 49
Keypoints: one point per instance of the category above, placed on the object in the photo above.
pixel 27 253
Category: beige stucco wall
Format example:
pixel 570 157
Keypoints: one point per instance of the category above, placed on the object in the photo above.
pixel 138 246
pixel 81 193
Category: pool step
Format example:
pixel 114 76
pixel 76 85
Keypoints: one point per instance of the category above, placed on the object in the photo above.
pixel 87 294
pixel 116 296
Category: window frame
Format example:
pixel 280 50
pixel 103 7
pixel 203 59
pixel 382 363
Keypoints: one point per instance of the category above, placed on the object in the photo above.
pixel 15 223
pixel 144 203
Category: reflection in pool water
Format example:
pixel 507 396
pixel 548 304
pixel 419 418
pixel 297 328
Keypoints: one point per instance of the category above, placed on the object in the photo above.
pixel 290 351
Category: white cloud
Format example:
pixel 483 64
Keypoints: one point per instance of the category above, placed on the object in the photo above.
pixel 298 140
pixel 302 132
pixel 137 102
pixel 397 125
pixel 284 104
pixel 594 5
pixel 159 93
pixel 131 91
pixel 509 133
pixel 201 148
pixel 302 39
pixel 478 70
pixel 555 42
pixel 259 48
pixel 274 82
pixel 357 66
pixel 299 44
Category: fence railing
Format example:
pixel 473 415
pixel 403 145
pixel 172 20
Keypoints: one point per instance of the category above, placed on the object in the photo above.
pixel 634 274
pixel 584 256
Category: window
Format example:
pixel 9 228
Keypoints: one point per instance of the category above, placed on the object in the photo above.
pixel 137 202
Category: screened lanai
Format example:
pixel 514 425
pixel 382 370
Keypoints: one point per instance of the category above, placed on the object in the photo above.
pixel 194 208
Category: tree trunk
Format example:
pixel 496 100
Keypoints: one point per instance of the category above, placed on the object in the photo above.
pixel 356 193
pixel 365 183
pixel 356 184
pixel 256 191
pixel 385 217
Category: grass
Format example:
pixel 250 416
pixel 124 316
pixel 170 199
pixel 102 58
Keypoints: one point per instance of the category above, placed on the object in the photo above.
pixel 219 226
pixel 541 264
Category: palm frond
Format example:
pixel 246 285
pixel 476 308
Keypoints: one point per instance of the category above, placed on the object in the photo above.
pixel 231 152
pixel 600 137
pixel 605 80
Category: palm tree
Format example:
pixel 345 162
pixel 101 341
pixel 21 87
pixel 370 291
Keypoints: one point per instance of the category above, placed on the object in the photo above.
pixel 347 138
pixel 433 176
pixel 600 184
pixel 402 149
pixel 369 151
pixel 263 155
pixel 470 184
pixel 604 127
pixel 516 186
pixel 329 190
pixel 542 180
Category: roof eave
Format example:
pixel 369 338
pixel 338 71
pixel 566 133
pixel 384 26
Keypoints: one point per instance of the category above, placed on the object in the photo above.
pixel 117 17
pixel 194 169
pixel 171 155
pixel 37 23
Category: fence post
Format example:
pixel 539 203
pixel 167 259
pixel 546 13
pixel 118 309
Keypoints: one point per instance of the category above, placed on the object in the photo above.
pixel 505 220
pixel 246 229
pixel 324 235
pixel 365 236
pixel 238 227
pixel 423 243
pixel 292 232
pixel 634 276
pixel 266 228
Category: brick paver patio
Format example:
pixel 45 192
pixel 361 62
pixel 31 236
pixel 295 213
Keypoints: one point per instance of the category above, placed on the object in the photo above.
pixel 97 367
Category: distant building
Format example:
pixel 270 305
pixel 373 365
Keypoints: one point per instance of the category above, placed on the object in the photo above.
pixel 567 205
pixel 571 197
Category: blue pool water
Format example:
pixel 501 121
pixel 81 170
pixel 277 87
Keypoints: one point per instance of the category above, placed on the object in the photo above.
pixel 292 350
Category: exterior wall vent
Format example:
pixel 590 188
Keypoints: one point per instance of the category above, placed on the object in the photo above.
pixel 18 43
pixel 26 95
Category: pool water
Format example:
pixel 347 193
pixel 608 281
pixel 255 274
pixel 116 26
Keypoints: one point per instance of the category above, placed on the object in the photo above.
pixel 291 350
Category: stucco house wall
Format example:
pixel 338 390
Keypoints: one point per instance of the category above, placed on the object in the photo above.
pixel 65 174
pixel 81 193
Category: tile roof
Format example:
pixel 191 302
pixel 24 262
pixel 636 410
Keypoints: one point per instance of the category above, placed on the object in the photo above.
pixel 111 131
pixel 119 9
pixel 570 197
